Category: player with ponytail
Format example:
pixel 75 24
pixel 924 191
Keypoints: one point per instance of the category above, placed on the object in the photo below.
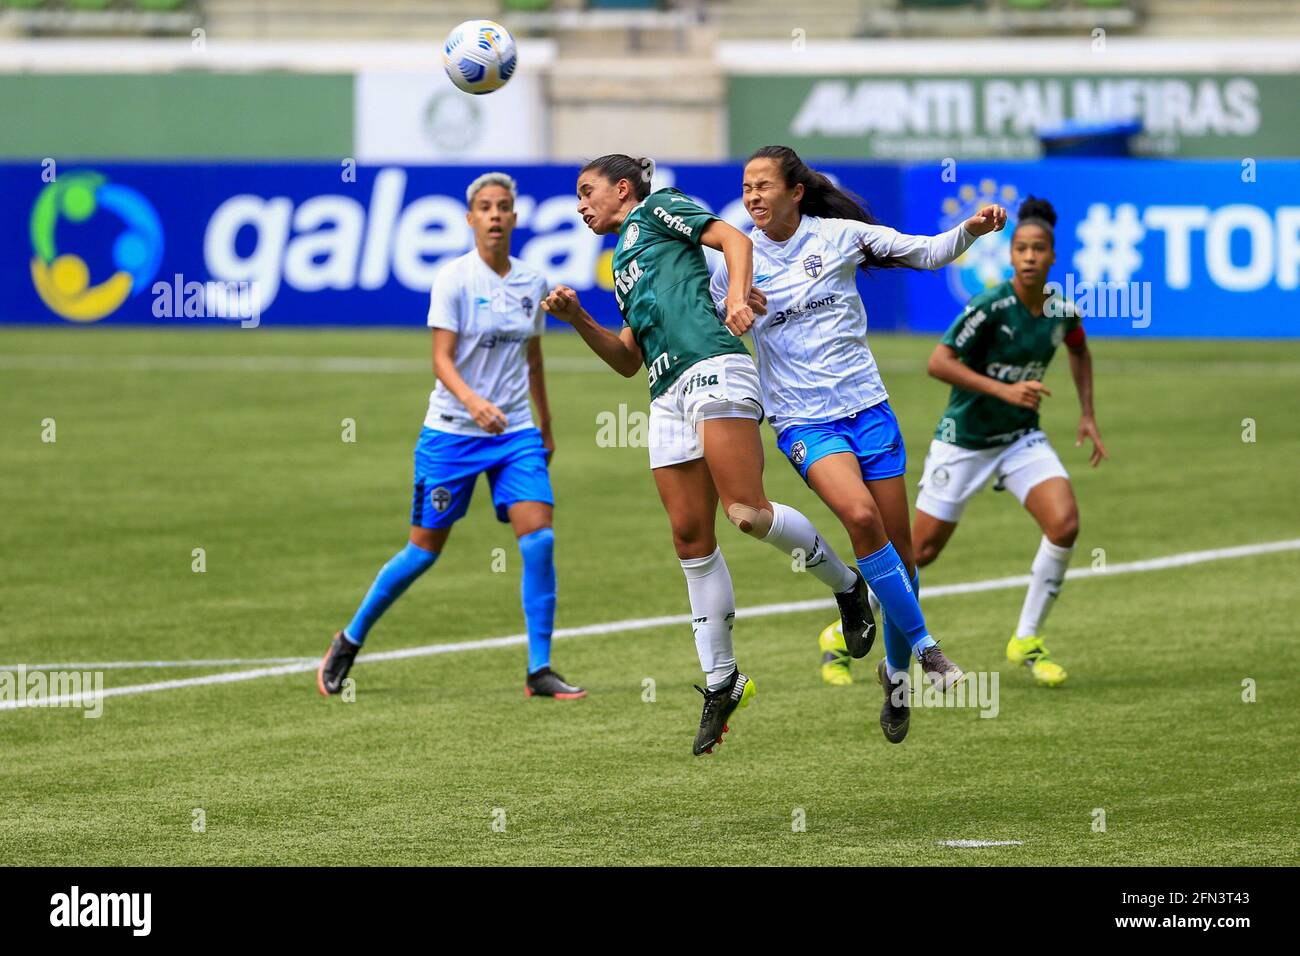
pixel 705 406
pixel 824 395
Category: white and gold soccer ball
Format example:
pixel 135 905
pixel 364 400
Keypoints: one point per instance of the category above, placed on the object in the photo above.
pixel 480 56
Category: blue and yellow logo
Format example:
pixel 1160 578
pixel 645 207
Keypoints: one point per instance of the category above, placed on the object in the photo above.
pixel 988 262
pixel 62 280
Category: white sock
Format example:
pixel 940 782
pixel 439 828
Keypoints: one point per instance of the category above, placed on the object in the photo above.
pixel 895 673
pixel 791 531
pixel 1046 575
pixel 713 606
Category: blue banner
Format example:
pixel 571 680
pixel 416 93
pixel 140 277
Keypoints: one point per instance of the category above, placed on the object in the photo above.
pixel 1149 248
pixel 306 244
pixel 1155 248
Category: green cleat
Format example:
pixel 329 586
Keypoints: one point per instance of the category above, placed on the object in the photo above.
pixel 1033 653
pixel 835 655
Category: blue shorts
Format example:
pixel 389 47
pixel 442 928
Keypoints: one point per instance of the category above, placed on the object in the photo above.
pixel 872 435
pixel 448 465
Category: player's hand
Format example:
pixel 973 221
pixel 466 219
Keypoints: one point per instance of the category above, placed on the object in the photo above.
pixel 739 317
pixel 1088 429
pixel 757 300
pixel 548 442
pixel 486 415
pixel 1025 394
pixel 563 304
pixel 989 219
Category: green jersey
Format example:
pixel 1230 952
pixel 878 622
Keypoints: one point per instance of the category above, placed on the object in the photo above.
pixel 661 282
pixel 998 337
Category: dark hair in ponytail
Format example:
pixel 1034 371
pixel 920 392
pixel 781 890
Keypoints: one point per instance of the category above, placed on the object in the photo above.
pixel 1038 212
pixel 823 198
pixel 616 166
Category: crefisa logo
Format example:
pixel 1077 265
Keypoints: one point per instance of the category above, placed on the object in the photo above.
pixel 64 280
pixel 988 262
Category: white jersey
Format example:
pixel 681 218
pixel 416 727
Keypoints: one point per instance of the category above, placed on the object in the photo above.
pixel 493 319
pixel 813 358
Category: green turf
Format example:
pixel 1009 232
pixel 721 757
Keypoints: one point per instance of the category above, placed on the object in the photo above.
pixel 166 444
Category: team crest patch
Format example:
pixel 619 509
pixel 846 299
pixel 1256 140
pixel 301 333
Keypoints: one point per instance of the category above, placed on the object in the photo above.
pixel 798 452
pixel 1058 334
pixel 527 303
pixel 940 477
pixel 440 498
pixel 813 266
pixel 631 236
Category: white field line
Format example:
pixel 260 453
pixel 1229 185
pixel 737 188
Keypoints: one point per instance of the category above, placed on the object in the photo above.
pixel 977 844
pixel 260 363
pixel 559 363
pixel 299 665
pixel 155 665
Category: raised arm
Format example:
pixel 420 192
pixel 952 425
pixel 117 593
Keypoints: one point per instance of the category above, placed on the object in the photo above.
pixel 620 352
pixel 933 252
pixel 485 414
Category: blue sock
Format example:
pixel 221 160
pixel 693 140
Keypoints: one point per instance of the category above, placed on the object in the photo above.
pixel 391 581
pixel 888 577
pixel 897 649
pixel 538 550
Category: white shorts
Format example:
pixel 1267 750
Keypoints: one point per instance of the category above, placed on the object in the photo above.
pixel 725 386
pixel 952 474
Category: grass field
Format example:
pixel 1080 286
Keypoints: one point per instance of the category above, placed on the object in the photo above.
pixel 231 442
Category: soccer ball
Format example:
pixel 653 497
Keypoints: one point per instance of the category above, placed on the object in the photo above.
pixel 479 56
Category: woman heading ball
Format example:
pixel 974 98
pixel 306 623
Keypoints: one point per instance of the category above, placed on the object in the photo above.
pixel 705 407
pixel 823 392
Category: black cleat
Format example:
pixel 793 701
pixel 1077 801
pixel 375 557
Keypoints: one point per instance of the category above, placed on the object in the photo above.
pixel 547 683
pixel 895 714
pixel 335 665
pixel 719 705
pixel 855 615
pixel 942 673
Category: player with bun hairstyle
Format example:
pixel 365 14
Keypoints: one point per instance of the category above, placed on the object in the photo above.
pixel 824 395
pixel 705 408
pixel 995 356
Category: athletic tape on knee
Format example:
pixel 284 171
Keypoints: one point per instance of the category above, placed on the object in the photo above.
pixel 752 521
